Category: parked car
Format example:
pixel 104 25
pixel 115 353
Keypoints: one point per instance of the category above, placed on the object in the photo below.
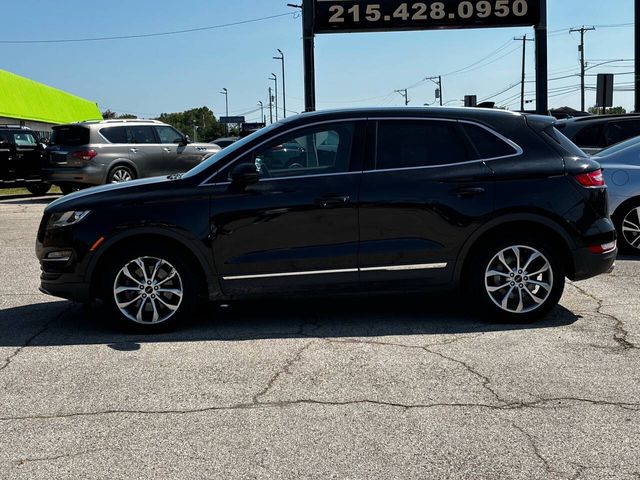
pixel 496 203
pixel 21 154
pixel 114 151
pixel 595 133
pixel 225 141
pixel 621 165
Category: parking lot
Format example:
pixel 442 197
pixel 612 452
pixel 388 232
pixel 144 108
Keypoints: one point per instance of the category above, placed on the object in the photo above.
pixel 353 388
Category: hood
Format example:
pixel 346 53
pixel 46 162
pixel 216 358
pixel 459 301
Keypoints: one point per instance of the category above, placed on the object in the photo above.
pixel 86 198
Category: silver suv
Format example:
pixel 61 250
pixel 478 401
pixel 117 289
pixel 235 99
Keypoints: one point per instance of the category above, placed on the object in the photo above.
pixel 113 151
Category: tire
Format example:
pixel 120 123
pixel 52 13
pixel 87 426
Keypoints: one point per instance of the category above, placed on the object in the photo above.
pixel 627 222
pixel 499 296
pixel 120 174
pixel 154 301
pixel 39 189
pixel 67 189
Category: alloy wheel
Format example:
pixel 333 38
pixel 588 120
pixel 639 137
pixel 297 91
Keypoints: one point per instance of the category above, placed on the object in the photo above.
pixel 148 290
pixel 519 279
pixel 631 228
pixel 121 175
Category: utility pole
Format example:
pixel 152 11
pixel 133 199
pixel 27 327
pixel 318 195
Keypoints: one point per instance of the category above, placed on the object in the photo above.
pixel 524 41
pixel 275 82
pixel 270 106
pixel 284 85
pixel 405 94
pixel 261 110
pixel 225 92
pixel 439 84
pixel 542 62
pixel 582 31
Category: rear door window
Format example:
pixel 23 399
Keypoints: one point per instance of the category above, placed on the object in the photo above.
pixel 115 134
pixel 619 131
pixel 591 136
pixel 419 143
pixel 141 134
pixel 488 144
pixel 71 136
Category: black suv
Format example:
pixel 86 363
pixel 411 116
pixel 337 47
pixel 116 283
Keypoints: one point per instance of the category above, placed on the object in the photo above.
pixel 21 159
pixel 594 134
pixel 499 204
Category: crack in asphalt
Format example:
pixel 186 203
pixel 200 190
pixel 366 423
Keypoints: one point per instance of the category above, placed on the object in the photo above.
pixel 30 340
pixel 24 461
pixel 621 334
pixel 544 404
pixel 536 451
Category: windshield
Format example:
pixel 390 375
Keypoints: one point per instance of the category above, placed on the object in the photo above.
pixel 230 150
pixel 619 147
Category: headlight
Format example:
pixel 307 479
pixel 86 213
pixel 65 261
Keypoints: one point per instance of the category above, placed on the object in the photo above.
pixel 65 219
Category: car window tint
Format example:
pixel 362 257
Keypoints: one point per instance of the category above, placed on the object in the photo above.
pixel 168 135
pixel 567 145
pixel 70 136
pixel 591 136
pixel 408 144
pixel 115 134
pixel 622 130
pixel 316 151
pixel 487 144
pixel 141 134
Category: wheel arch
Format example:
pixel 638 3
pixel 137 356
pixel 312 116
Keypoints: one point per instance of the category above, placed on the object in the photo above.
pixel 525 222
pixel 207 279
pixel 117 163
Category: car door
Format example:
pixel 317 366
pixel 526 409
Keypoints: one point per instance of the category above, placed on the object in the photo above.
pixel 145 151
pixel 6 157
pixel 296 229
pixel 179 156
pixel 424 191
pixel 28 154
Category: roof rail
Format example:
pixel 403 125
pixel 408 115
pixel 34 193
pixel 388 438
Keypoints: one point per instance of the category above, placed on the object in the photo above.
pixel 131 120
pixel 14 126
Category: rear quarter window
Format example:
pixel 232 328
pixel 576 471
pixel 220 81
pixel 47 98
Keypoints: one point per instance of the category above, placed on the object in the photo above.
pixel 488 144
pixel 563 142
pixel 71 136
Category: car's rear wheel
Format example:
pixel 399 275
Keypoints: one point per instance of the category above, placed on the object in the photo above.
pixel 149 289
pixel 67 189
pixel 517 279
pixel 627 222
pixel 39 189
pixel 120 174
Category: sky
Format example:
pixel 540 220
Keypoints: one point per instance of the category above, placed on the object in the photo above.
pixel 149 76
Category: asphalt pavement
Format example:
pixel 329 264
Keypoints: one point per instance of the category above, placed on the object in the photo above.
pixel 384 388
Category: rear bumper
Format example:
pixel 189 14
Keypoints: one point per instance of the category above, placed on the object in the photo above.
pixel 588 264
pixel 89 175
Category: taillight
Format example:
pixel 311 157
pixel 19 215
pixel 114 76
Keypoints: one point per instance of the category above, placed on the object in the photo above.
pixel 85 155
pixel 592 179
pixel 603 247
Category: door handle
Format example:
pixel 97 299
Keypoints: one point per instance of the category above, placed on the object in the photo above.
pixel 168 150
pixel 332 201
pixel 468 192
pixel 133 150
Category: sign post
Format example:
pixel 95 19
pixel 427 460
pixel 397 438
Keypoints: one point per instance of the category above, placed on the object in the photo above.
pixel 347 16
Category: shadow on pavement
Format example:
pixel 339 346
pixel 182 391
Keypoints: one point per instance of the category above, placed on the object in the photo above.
pixel 28 199
pixel 64 323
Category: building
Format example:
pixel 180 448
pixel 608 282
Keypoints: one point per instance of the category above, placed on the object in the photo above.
pixel 40 107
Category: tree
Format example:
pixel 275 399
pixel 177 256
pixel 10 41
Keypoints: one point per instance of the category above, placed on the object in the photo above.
pixel 208 127
pixel 109 115
pixel 609 111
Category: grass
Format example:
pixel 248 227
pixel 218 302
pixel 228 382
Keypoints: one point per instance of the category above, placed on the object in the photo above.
pixel 24 191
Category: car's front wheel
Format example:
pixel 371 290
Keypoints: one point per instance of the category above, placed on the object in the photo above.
pixel 517 279
pixel 149 289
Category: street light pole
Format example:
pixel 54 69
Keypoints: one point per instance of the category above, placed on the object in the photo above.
pixel 225 92
pixel 270 106
pixel 284 85
pixel 275 82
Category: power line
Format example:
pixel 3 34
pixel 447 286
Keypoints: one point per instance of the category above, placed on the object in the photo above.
pixel 148 35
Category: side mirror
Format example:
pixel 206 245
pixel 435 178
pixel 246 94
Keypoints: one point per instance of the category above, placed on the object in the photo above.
pixel 245 174
pixel 4 144
pixel 186 140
